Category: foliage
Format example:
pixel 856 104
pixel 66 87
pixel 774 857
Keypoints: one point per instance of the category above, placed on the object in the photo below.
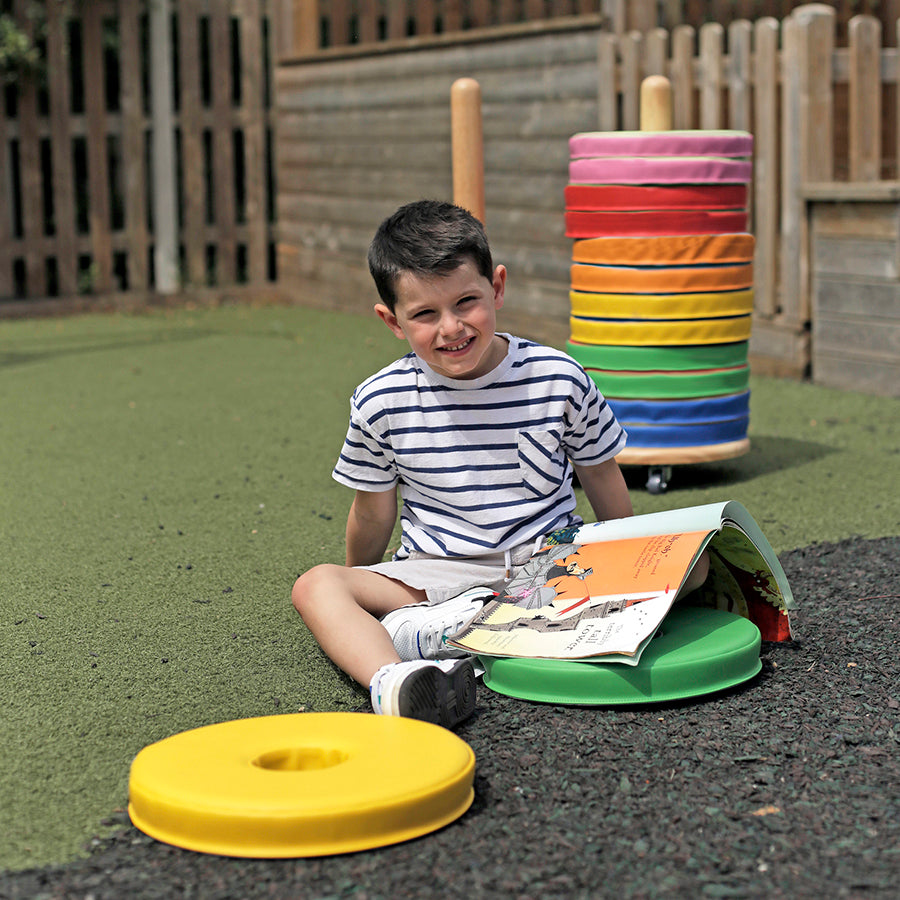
pixel 18 54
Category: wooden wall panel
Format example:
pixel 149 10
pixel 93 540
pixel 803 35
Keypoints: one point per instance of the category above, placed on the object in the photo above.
pixel 359 137
pixel 856 295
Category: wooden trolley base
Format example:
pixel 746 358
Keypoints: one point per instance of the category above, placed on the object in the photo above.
pixel 660 460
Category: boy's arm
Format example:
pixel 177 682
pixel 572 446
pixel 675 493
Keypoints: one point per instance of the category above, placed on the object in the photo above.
pixel 604 486
pixel 370 525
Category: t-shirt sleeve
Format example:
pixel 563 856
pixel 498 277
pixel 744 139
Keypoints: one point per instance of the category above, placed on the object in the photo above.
pixel 594 434
pixel 366 462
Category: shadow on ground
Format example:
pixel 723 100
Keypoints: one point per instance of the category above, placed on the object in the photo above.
pixel 31 351
pixel 767 456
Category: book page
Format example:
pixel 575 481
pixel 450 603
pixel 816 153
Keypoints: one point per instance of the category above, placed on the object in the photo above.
pixel 707 517
pixel 742 580
pixel 574 601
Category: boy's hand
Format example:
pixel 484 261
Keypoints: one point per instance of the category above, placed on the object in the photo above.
pixel 606 490
pixel 370 525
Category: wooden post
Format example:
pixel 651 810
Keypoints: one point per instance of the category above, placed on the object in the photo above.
pixel 807 144
pixel 467 146
pixel 656 104
pixel 165 223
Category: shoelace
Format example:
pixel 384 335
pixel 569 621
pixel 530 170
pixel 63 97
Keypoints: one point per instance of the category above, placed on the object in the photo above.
pixel 436 638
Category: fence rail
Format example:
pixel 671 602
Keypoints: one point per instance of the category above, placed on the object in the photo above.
pixel 79 178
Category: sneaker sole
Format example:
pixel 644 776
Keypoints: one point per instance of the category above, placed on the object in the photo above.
pixel 442 697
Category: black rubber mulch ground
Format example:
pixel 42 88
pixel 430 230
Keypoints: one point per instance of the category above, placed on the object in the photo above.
pixel 786 788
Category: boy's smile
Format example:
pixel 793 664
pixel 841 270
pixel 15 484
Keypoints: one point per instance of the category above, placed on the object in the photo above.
pixel 450 320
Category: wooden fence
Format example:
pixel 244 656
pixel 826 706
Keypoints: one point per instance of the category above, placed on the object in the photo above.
pixel 363 133
pixel 89 150
pixel 313 25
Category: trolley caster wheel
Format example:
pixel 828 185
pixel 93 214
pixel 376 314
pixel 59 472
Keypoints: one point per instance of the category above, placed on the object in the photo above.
pixel 658 479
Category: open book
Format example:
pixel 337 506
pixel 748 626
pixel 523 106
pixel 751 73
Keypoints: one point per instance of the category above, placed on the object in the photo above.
pixel 598 592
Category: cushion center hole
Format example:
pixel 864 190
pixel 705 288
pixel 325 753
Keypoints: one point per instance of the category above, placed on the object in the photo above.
pixel 300 759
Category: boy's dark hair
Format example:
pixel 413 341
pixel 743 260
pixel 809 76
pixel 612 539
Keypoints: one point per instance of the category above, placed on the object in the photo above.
pixel 426 238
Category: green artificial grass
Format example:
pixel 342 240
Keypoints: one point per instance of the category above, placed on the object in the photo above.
pixel 165 477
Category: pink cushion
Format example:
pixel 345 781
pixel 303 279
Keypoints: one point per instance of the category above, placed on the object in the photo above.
pixel 661 143
pixel 659 170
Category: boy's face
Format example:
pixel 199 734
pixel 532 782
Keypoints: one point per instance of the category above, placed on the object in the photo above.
pixel 450 320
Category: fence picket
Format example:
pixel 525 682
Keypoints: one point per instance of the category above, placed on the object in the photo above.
pixel 806 125
pixel 712 38
pixel 61 158
pixel 100 275
pixel 740 76
pixel 30 180
pixel 164 188
pixel 865 99
pixel 767 216
pixel 6 212
pixel 222 142
pixel 396 19
pixel 896 74
pixel 793 218
pixel 193 161
pixel 682 77
pixel 632 75
pixel 254 142
pixel 607 82
pixel 339 22
pixel 133 149
pixel 817 51
pixel 452 13
pixel 480 17
pixel 656 52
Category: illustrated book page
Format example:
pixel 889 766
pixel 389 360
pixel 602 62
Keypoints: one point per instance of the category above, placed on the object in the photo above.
pixel 599 592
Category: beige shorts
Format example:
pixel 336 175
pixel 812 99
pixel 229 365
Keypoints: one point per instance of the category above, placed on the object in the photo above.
pixel 443 578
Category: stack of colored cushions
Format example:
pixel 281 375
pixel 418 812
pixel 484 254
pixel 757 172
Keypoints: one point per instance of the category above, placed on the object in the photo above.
pixel 662 280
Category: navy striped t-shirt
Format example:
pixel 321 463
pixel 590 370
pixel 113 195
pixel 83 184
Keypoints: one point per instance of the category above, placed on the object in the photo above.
pixel 482 465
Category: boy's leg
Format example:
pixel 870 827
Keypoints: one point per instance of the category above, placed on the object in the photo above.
pixel 342 606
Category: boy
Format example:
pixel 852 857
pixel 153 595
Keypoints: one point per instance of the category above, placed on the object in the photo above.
pixel 479 432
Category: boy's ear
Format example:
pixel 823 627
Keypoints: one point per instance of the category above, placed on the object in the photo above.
pixel 390 320
pixel 499 284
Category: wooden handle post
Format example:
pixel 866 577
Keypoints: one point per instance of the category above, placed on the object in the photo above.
pixel 656 103
pixel 467 146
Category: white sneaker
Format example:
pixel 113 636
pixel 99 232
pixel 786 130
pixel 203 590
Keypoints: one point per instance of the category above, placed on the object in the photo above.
pixel 421 631
pixel 439 692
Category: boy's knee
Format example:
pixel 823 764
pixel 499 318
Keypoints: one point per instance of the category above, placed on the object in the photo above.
pixel 312 584
pixel 698 575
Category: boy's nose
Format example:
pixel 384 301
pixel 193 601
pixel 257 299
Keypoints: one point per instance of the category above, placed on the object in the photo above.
pixel 451 325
